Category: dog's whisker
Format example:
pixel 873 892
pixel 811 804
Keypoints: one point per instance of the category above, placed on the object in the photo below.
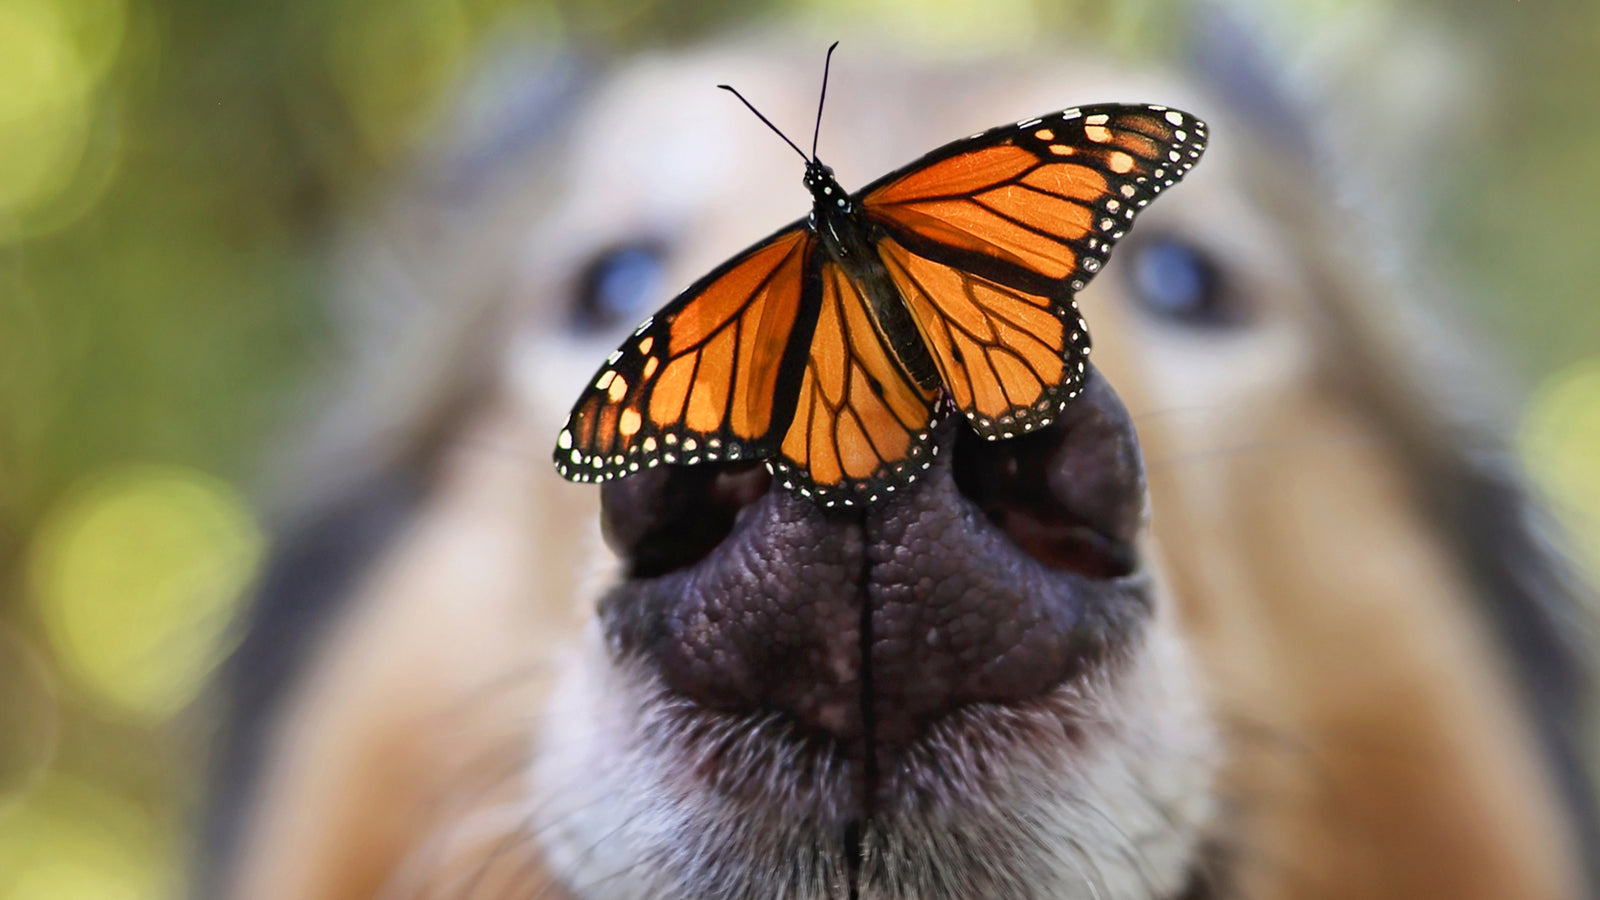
pixel 509 841
pixel 519 884
pixel 474 708
pixel 506 840
pixel 457 813
pixel 1241 857
pixel 1317 747
pixel 583 889
pixel 517 831
pixel 1127 847
pixel 1171 412
pixel 1093 884
pixel 525 835
pixel 1263 447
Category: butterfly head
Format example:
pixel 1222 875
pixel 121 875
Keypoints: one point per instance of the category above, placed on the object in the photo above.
pixel 826 194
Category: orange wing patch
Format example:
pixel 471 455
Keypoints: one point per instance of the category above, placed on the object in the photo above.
pixel 1040 201
pixel 957 176
pixel 971 225
pixel 861 425
pixel 1009 359
pixel 745 284
pixel 700 380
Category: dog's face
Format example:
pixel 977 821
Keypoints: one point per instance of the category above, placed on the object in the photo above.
pixel 1199 638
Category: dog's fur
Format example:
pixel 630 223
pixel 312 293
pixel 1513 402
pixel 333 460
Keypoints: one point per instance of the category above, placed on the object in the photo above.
pixel 1357 675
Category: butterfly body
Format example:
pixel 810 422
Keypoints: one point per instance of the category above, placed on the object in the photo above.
pixel 850 241
pixel 831 348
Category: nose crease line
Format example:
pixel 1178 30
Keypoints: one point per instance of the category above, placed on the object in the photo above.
pixel 866 802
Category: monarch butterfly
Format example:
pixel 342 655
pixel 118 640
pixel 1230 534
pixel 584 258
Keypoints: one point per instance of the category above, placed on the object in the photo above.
pixel 831 348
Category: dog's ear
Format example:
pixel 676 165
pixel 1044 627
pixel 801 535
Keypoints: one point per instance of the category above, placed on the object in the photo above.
pixel 414 319
pixel 514 106
pixel 1371 104
pixel 517 102
pixel 417 280
pixel 1378 92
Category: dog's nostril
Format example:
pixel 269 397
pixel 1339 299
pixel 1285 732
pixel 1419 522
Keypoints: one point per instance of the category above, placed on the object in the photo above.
pixel 1071 495
pixel 669 517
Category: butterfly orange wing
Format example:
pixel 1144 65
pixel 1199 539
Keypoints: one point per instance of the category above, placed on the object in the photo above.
pixel 861 423
pixel 712 376
pixel 1010 359
pixel 987 240
pixel 775 355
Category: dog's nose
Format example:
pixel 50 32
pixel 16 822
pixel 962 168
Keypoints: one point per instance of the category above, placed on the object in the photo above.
pixel 1005 569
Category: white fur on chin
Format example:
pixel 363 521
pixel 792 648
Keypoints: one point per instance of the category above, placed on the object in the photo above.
pixel 1100 790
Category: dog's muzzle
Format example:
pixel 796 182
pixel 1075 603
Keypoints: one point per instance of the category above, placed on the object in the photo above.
pixel 1007 570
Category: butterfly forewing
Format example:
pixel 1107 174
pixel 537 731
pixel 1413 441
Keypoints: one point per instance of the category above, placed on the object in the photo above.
pixel 1038 204
pixel 988 239
pixel 706 378
pixel 861 424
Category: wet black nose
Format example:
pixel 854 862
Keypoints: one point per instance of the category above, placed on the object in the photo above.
pixel 998 576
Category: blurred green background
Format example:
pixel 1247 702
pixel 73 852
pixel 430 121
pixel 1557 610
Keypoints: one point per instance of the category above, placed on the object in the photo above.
pixel 171 172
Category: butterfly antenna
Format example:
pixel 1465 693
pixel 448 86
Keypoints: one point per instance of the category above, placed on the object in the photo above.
pixel 764 119
pixel 817 131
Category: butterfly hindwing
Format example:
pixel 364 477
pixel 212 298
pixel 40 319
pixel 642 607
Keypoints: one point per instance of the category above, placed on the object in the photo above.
pixel 861 424
pixel 711 376
pixel 1010 360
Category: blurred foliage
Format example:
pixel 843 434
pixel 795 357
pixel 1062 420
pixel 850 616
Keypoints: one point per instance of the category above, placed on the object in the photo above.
pixel 170 171
pixel 134 575
pixel 1519 215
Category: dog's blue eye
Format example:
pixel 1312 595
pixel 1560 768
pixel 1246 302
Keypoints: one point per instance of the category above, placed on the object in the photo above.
pixel 1176 281
pixel 620 286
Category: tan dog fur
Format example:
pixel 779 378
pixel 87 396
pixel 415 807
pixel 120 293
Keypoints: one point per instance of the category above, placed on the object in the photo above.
pixel 1368 739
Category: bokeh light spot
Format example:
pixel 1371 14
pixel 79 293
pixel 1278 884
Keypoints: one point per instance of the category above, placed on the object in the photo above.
pixel 1560 444
pixel 98 28
pixel 135 575
pixel 72 841
pixel 54 55
pixel 45 106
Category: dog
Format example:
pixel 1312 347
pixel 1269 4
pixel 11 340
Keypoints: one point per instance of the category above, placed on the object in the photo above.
pixel 1260 617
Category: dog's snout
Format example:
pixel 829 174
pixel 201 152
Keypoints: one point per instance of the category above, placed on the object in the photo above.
pixel 993 579
pixel 1072 495
pixel 669 517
